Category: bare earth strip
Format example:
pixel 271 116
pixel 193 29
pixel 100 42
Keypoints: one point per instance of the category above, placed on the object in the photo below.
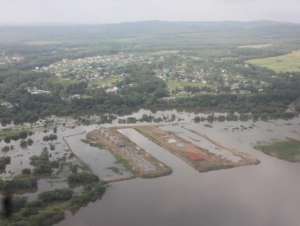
pixel 199 158
pixel 141 163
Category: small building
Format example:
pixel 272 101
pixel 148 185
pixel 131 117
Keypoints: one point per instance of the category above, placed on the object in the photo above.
pixel 6 105
pixel 113 90
pixel 35 91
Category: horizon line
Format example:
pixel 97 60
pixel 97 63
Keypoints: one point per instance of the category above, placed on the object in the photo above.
pixel 29 24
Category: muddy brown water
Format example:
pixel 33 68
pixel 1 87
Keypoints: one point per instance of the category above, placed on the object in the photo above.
pixel 264 195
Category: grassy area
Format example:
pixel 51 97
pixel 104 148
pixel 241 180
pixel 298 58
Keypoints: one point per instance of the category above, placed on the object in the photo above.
pixel 280 64
pixel 63 82
pixel 180 85
pixel 108 82
pixel 15 134
pixel 288 150
pixel 123 162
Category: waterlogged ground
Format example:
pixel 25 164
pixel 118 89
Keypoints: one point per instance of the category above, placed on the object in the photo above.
pixel 260 195
pixel 69 148
pixel 266 194
pixel 70 141
pixel 101 162
pixel 20 157
pixel 188 135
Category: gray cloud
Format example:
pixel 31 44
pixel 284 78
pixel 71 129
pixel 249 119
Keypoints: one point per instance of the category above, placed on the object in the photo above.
pixel 107 11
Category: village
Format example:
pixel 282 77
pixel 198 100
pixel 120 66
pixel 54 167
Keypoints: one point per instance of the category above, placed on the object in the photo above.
pixel 184 74
pixel 10 59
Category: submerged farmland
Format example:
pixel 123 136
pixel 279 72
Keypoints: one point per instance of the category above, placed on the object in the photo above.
pixel 199 151
pixel 141 163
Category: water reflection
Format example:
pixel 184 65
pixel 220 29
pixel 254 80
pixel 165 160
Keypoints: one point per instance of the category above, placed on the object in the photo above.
pixel 263 195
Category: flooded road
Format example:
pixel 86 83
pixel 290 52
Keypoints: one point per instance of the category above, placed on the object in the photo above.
pixel 264 195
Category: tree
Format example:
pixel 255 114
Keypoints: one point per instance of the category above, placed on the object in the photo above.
pixel 26 171
pixel 23 144
pixel 5 149
pixel 29 141
pixel 7 140
pixel 197 119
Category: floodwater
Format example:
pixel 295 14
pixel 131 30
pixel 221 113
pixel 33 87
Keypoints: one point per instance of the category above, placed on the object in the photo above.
pixel 45 185
pixel 20 158
pixel 264 195
pixel 202 142
pixel 99 161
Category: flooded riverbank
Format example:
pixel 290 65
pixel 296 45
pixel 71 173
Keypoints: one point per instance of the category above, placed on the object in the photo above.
pixel 262 195
pixel 259 195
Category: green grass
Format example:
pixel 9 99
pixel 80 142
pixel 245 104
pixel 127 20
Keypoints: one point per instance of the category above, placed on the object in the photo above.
pixel 123 162
pixel 180 85
pixel 13 132
pixel 280 64
pixel 108 82
pixel 288 150
pixel 63 82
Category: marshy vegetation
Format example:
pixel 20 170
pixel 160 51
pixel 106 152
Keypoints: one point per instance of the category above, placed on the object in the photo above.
pixel 288 150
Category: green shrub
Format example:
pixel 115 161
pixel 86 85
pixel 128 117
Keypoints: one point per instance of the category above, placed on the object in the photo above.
pixel 42 164
pixel 5 149
pixel 19 184
pixel 26 171
pixel 76 179
pixel 18 203
pixel 58 195
pixel 47 217
pixel 91 193
pixel 3 162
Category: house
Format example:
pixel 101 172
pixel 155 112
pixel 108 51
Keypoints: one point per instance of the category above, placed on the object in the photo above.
pixel 6 105
pixel 35 91
pixel 75 96
pixel 113 90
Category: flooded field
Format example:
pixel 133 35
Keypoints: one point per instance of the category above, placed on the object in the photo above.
pixel 256 195
pixel 266 194
pixel 20 157
pixel 60 153
pixel 101 162
pixel 140 162
pixel 203 141
pixel 197 150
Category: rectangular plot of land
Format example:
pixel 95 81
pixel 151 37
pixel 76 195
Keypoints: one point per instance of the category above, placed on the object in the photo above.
pixel 141 163
pixel 202 159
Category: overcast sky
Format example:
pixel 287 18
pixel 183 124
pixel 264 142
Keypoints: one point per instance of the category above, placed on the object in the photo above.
pixel 111 11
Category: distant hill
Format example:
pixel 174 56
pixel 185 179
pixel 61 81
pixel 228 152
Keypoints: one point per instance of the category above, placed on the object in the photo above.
pixel 158 31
